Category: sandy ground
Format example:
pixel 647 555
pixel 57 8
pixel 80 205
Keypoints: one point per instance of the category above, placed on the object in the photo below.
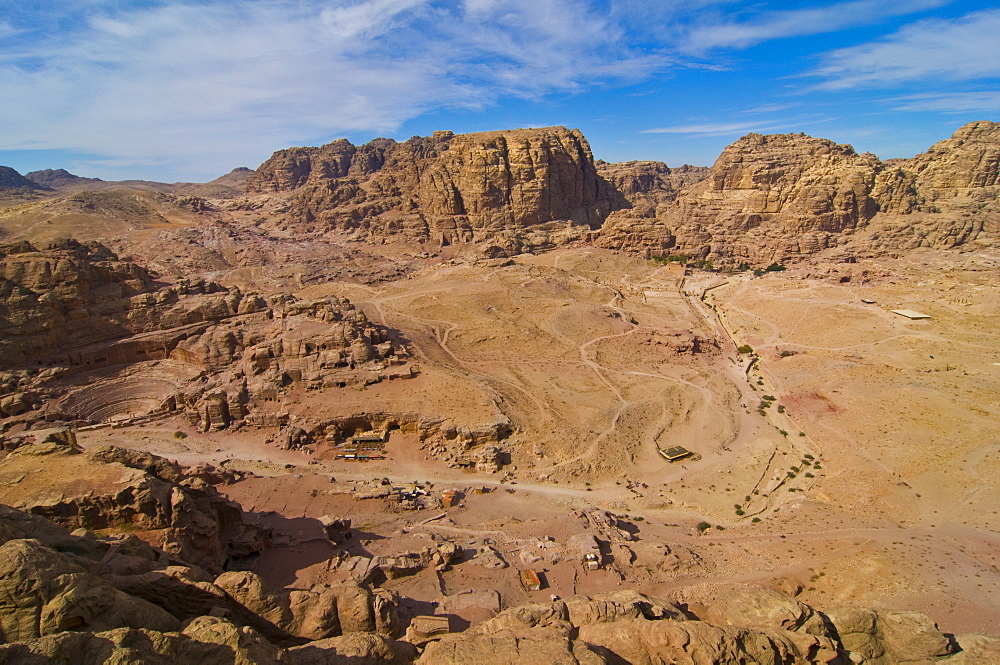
pixel 870 478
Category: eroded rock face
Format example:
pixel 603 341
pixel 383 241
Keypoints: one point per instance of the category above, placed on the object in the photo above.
pixel 43 592
pixel 111 487
pixel 71 309
pixel 446 188
pixel 970 159
pixel 781 197
pixel 768 196
pixel 60 295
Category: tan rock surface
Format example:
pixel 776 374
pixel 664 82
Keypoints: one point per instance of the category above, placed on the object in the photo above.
pixel 44 592
pixel 445 189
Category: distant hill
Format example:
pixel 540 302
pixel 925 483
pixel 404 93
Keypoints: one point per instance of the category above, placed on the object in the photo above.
pixel 11 179
pixel 61 180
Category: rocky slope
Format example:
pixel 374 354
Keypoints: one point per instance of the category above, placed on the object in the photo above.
pixel 12 180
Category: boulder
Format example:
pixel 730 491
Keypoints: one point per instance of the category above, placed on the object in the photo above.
pixel 43 592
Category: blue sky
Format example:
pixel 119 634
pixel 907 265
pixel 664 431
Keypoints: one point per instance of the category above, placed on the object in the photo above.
pixel 189 90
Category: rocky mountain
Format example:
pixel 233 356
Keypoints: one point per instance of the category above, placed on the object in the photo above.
pixel 782 197
pixel 516 190
pixel 770 198
pixel 12 180
pixel 61 180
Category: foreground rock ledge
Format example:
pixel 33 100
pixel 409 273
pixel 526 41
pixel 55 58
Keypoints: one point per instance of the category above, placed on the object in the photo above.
pixel 75 598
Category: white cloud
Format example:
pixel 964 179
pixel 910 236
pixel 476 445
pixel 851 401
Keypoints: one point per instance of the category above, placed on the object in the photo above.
pixel 966 48
pixel 729 33
pixel 709 128
pixel 949 102
pixel 796 123
pixel 206 86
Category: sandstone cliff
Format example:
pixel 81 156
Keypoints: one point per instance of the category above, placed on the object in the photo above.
pixel 444 189
pixel 767 198
pixel 783 197
pixel 65 295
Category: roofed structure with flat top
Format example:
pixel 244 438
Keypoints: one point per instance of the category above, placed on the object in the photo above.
pixel 910 314
pixel 674 453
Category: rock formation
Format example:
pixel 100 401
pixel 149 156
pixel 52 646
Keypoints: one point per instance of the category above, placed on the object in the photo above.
pixel 783 197
pixel 767 198
pixel 80 598
pixel 518 189
pixel 72 308
pixel 47 474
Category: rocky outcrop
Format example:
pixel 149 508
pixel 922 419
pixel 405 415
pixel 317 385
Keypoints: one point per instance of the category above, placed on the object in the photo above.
pixel 111 487
pixel 970 159
pixel 58 299
pixel 59 295
pixel 516 189
pixel 782 197
pixel 324 343
pixel 73 308
pixel 768 197
pixel 82 605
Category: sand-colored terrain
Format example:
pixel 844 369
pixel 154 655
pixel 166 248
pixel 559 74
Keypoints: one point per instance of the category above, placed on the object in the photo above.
pixel 870 478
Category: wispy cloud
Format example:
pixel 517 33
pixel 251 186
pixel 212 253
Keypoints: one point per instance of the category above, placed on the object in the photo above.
pixel 966 48
pixel 708 128
pixel 949 102
pixel 199 86
pixel 748 31
pixel 217 83
pixel 730 128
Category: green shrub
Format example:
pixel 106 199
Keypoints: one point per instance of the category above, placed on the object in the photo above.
pixel 746 348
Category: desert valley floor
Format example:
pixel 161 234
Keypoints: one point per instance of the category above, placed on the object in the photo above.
pixel 368 395
pixel 870 478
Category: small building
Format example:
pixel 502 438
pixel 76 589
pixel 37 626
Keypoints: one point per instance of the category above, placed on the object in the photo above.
pixel 674 453
pixel 449 498
pixel 530 580
pixel 590 550
pixel 910 314
pixel 368 440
